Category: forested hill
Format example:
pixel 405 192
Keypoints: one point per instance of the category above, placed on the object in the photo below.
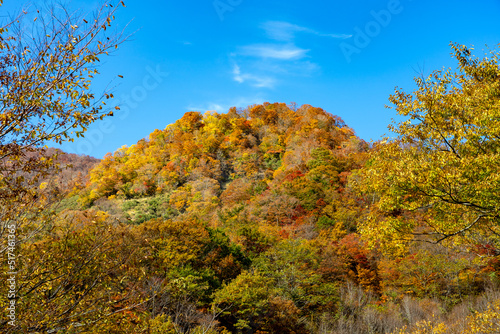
pixel 283 167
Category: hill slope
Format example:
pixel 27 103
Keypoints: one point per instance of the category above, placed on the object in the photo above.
pixel 296 161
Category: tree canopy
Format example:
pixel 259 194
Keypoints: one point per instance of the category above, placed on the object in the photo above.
pixel 440 177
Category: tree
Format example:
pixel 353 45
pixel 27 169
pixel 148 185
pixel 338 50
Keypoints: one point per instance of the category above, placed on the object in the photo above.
pixel 75 275
pixel 440 178
pixel 48 60
pixel 47 67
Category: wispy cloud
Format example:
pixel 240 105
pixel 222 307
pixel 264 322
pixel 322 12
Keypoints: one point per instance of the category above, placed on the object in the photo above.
pixel 255 80
pixel 285 31
pixel 274 51
pixel 260 65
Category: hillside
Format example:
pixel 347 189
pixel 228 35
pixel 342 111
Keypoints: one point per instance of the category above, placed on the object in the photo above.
pixel 206 166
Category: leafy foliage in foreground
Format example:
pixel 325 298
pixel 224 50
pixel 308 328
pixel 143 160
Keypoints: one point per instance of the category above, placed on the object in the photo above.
pixel 440 177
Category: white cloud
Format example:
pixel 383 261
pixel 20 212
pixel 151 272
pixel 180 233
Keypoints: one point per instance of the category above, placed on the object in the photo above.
pixel 281 31
pixel 259 65
pixel 274 51
pixel 341 36
pixel 237 74
pixel 285 31
pixel 255 80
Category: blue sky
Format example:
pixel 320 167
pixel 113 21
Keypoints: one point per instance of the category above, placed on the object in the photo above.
pixel 343 56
